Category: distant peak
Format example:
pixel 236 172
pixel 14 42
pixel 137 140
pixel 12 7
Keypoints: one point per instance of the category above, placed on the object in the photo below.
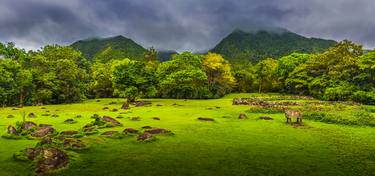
pixel 254 30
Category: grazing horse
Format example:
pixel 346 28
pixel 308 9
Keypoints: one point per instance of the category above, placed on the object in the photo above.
pixel 290 114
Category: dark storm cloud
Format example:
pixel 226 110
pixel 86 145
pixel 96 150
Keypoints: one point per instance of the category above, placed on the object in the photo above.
pixel 179 24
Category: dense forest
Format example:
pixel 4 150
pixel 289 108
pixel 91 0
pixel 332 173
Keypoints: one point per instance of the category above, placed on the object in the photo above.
pixel 61 74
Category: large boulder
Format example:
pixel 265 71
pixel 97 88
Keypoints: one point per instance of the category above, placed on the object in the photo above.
pixel 31 115
pixel 69 132
pixel 51 159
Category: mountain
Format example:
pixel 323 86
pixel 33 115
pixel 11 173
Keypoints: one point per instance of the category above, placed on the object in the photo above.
pixel 242 46
pixel 109 48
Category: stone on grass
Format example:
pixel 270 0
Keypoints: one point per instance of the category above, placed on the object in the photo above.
pixel 145 137
pixel 156 118
pixel 114 110
pixel 73 143
pixel 135 118
pixel 97 100
pixel 10 116
pixel 105 108
pixel 242 116
pixel 265 118
pixel 130 131
pixel 51 159
pixel 111 120
pixel 46 141
pixel 12 130
pixel 70 121
pixel 31 115
pixel 206 119
pixel 158 131
pixel 110 133
pixel 44 131
pixel 147 127
pixel 29 125
pixel 69 132
pixel 55 115
pixel 45 125
pixel 125 105
pixel 46 114
pixel 78 116
pixel 120 117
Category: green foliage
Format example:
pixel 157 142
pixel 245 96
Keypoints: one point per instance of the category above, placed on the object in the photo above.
pixel 131 79
pixel 359 118
pixel 266 71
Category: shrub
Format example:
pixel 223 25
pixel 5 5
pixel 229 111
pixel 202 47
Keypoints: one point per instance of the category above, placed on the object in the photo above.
pixel 364 97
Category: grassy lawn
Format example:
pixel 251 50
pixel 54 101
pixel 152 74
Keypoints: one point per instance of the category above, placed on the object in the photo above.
pixel 228 146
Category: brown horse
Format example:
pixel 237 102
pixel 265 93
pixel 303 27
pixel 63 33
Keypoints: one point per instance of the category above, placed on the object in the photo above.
pixel 290 114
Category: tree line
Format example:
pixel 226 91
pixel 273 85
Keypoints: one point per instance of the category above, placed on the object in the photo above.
pixel 59 74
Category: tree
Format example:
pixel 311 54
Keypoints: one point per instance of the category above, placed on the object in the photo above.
pixel 183 77
pixel 131 79
pixel 246 79
pixel 287 64
pixel 267 75
pixel 218 71
pixel 101 86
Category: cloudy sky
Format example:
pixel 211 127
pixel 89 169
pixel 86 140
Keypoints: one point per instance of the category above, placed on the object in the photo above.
pixel 192 25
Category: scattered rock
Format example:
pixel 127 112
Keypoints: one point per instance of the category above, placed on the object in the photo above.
pixel 46 114
pixel 55 115
pixel 45 125
pixel 156 118
pixel 97 100
pixel 242 116
pixel 31 115
pixel 10 116
pixel 105 108
pixel 120 117
pixel 130 130
pixel 14 109
pixel 209 108
pixel 32 153
pixel 158 131
pixel 135 118
pixel 111 120
pixel 70 121
pixel 73 143
pixel 95 116
pixel 217 107
pixel 159 105
pixel 114 110
pixel 145 137
pixel 125 105
pixel 89 129
pixel 44 131
pixel 110 133
pixel 69 132
pixel 146 127
pixel 47 111
pixel 51 159
pixel 141 103
pixel 78 116
pixel 12 130
pixel 112 103
pixel 29 125
pixel 43 108
pixel 265 118
pixel 206 119
pixel 45 141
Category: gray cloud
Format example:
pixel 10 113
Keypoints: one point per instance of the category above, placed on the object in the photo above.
pixel 180 24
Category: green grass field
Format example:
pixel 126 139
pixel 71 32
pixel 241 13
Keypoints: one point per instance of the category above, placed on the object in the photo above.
pixel 228 146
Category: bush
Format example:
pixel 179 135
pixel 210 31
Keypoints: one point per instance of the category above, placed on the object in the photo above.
pixel 360 118
pixel 364 97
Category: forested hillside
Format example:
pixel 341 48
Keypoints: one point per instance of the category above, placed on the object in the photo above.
pixel 105 49
pixel 241 46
